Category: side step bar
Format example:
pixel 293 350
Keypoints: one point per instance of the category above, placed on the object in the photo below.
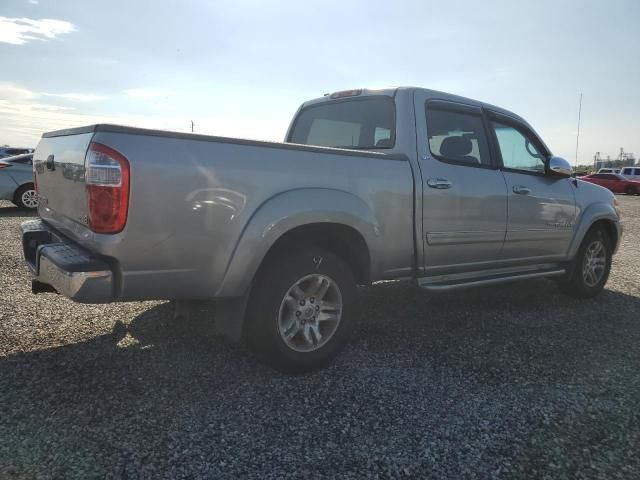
pixel 453 282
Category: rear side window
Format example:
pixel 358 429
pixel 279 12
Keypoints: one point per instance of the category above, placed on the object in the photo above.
pixel 17 151
pixel 627 171
pixel 457 136
pixel 366 123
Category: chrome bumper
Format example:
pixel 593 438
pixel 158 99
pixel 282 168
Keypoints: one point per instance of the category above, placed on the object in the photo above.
pixel 68 268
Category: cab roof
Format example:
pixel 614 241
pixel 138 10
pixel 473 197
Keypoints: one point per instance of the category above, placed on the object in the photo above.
pixel 392 91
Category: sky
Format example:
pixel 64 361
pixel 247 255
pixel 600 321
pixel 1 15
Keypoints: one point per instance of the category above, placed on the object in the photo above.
pixel 242 68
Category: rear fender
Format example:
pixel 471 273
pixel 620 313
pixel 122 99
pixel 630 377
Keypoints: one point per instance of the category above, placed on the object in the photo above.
pixel 286 211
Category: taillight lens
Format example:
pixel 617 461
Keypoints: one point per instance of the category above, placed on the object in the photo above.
pixel 107 179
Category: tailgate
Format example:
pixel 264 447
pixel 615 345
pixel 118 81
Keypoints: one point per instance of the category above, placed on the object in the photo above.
pixel 59 169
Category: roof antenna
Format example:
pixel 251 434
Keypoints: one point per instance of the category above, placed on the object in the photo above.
pixel 578 134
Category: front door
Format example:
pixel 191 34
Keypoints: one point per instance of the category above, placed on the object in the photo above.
pixel 464 194
pixel 542 207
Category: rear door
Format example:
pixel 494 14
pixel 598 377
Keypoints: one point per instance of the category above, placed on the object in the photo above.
pixel 601 179
pixel 58 165
pixel 542 208
pixel 464 194
pixel 617 183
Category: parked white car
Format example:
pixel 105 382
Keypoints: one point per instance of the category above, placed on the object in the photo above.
pixel 632 173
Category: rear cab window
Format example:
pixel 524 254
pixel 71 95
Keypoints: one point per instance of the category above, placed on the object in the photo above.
pixel 360 123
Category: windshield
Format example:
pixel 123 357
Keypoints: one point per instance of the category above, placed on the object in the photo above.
pixel 363 123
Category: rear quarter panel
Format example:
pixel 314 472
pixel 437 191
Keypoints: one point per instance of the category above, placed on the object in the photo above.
pixel 7 184
pixel 21 173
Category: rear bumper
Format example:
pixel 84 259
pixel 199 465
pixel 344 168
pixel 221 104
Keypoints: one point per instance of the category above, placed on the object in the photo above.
pixel 68 268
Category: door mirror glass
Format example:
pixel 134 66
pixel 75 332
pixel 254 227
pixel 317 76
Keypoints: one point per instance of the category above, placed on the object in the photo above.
pixel 559 167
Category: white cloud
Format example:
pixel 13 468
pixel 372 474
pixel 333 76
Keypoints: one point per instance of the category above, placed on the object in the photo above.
pixel 9 91
pixel 34 2
pixel 25 115
pixel 18 31
pixel 147 93
pixel 78 97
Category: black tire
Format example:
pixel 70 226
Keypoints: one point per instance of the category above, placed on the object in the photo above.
pixel 630 190
pixel 272 284
pixel 574 283
pixel 20 200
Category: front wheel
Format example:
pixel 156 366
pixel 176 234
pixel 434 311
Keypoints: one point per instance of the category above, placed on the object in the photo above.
pixel 589 271
pixel 301 311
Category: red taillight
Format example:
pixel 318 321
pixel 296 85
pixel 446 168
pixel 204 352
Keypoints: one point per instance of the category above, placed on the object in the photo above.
pixel 107 179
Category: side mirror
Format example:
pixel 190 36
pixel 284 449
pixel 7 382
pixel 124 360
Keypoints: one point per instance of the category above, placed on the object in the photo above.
pixel 559 167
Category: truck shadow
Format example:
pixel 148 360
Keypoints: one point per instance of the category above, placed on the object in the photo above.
pixel 9 210
pixel 518 335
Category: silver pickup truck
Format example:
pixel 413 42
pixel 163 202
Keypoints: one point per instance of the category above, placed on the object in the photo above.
pixel 370 185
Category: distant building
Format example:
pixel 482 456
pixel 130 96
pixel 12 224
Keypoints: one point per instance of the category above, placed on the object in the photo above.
pixel 624 159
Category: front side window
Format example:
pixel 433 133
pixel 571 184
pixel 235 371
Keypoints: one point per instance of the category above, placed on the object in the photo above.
pixel 361 124
pixel 457 137
pixel 518 152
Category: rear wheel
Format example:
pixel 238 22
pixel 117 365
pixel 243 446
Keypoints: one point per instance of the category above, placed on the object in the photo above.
pixel 301 311
pixel 589 271
pixel 26 197
pixel 629 190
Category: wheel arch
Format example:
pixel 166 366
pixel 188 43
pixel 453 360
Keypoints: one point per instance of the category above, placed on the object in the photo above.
pixel 609 229
pixel 336 220
pixel 344 241
pixel 598 215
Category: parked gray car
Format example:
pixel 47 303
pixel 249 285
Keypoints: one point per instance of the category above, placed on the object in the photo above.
pixel 16 181
pixel 370 185
pixel 13 151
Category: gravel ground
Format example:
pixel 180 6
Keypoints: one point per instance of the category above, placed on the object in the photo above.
pixel 513 381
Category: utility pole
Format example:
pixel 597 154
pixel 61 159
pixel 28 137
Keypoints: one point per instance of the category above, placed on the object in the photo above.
pixel 578 134
pixel 191 126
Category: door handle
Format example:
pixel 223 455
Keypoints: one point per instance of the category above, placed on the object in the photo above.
pixel 439 183
pixel 50 163
pixel 521 190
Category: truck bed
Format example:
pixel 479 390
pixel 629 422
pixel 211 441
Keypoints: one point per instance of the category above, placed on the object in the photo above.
pixel 196 203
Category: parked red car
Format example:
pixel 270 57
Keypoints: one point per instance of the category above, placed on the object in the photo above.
pixel 614 182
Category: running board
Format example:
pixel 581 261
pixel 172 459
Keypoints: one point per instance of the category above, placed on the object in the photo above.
pixel 443 283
